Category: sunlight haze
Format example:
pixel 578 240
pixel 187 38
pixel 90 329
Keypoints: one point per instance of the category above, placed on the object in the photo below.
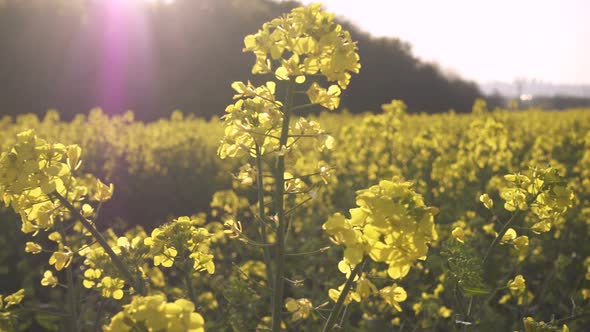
pixel 485 40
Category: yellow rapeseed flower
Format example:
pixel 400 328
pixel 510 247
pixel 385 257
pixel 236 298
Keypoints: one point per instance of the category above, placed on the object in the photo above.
pixel 517 285
pixel 393 295
pixel 49 279
pixel 459 234
pixel 33 248
pixel 112 287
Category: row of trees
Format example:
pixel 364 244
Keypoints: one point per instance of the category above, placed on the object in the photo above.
pixel 154 57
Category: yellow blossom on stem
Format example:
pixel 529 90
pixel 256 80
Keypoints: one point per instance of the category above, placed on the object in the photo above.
pixel 112 287
pixel 49 279
pixel 14 298
pixel 521 242
pixel 61 258
pixel 328 98
pixel 364 287
pixel 154 313
pixel 445 312
pixel 103 192
pixel 517 285
pixel 459 234
pixel 166 259
pixel 33 248
pixel 487 201
pixel 90 275
pixel 73 157
pixel 300 308
pixel 334 294
pixel 393 295
pixel 509 235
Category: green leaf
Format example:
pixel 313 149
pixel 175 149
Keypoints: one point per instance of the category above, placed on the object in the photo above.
pixel 473 291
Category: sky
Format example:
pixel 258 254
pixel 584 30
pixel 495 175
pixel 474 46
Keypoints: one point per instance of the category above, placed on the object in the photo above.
pixel 485 40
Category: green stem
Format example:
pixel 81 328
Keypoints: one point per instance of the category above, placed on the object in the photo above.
pixel 299 107
pixel 279 283
pixel 506 226
pixel 583 315
pixel 499 237
pixel 71 293
pixel 468 315
pixel 319 251
pixel 71 301
pixel 340 302
pixel 261 213
pixel 137 284
pixel 188 279
pixel 344 318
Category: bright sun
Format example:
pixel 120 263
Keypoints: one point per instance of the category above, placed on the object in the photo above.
pixel 161 1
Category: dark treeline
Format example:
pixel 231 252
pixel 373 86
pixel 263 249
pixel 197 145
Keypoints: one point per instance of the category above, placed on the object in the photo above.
pixel 152 58
pixel 559 102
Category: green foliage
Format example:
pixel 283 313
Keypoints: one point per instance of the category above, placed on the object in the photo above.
pixel 244 307
pixel 465 269
pixel 412 151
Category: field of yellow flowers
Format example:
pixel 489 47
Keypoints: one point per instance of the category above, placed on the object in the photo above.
pixel 270 220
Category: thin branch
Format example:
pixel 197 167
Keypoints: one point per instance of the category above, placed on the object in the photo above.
pixel 499 236
pixel 103 242
pixel 296 108
pixel 338 306
pixel 583 315
pixel 505 229
pixel 298 205
pixel 319 251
